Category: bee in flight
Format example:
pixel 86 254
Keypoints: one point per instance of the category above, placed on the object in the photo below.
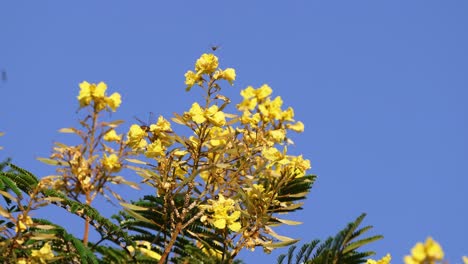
pixel 215 47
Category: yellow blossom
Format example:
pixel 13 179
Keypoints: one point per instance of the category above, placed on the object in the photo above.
pixel 271 154
pixel 114 101
pixel 215 116
pixel 277 135
pixel 190 79
pixel 111 163
pixel 229 75
pixel 44 254
pixel 155 149
pixel 288 115
pixel 136 137
pixel 428 252
pixel 433 249
pixel 206 64
pixel 197 113
pixel 384 260
pixel 97 93
pixel 263 92
pixel 297 127
pixel 112 136
pixel 85 94
pixel 161 126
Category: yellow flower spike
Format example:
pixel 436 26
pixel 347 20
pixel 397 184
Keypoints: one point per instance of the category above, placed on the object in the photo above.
pixel 384 260
pixel 112 136
pixel 229 75
pixel 44 254
pixel 111 163
pixel 297 127
pixel 433 249
pixel 197 114
pixel 206 64
pixel 114 101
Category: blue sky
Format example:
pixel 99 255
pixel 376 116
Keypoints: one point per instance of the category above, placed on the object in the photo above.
pixel 380 85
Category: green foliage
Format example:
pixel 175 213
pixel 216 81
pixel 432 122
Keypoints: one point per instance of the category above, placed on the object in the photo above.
pixel 341 249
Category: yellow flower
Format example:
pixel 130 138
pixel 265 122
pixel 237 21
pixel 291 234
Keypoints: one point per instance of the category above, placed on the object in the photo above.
pixel 197 113
pixel 161 126
pixel 44 254
pixel 215 116
pixel 263 92
pixel 114 101
pixel 155 149
pixel 271 154
pixel 418 252
pixel 136 137
pixel 288 115
pixel 433 249
pixel 85 94
pixel 229 75
pixel 97 93
pixel 224 214
pixel 22 224
pixel 271 109
pixel 277 135
pixel 384 260
pixel 297 127
pixel 112 136
pixel 111 163
pixel 99 90
pixel 207 63
pixel 190 79
pixel 428 252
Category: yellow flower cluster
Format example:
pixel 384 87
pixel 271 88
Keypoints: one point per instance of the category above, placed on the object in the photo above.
pixel 224 213
pixel 42 255
pixel 23 223
pixel 157 134
pixel 267 110
pixel 212 114
pixel 384 260
pixel 429 252
pixel 208 64
pixel 96 93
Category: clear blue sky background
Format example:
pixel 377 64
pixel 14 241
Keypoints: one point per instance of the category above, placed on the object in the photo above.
pixel 382 87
